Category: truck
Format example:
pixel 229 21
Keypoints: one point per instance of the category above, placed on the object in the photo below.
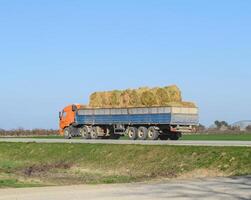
pixel 142 123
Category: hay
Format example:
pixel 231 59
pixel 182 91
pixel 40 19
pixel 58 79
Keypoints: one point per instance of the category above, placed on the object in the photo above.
pixel 141 97
pixel 148 98
pixel 181 104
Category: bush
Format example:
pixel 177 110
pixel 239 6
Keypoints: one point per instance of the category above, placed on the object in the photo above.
pixel 248 128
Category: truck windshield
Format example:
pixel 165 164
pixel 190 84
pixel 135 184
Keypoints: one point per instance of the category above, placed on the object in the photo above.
pixel 63 114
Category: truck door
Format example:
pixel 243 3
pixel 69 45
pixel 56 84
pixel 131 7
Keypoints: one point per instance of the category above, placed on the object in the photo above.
pixel 63 123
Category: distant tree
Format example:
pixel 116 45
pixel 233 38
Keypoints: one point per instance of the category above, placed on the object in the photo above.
pixel 220 124
pixel 235 128
pixel 248 128
pixel 224 123
pixel 201 128
pixel 23 132
pixel 2 131
pixel 217 124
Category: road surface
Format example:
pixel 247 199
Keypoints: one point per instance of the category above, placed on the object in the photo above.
pixel 159 142
pixel 213 188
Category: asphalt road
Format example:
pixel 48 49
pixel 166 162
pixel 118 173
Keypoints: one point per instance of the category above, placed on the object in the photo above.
pixel 159 142
pixel 213 188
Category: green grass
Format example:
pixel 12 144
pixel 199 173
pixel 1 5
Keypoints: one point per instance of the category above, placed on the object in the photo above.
pixel 227 137
pixel 15 183
pixel 37 137
pixel 31 164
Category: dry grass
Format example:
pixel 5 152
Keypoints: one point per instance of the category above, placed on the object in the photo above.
pixel 203 173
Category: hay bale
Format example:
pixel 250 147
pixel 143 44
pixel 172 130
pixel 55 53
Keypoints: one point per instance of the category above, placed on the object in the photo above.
pixel 125 98
pixel 163 97
pixel 106 96
pixel 144 96
pixel 174 93
pixel 114 98
pixel 96 99
pixel 148 98
pixel 134 99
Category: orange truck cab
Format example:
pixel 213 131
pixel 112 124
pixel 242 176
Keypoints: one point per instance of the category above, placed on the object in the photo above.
pixel 67 117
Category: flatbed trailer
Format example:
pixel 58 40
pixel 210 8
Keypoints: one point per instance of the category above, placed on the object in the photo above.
pixel 136 122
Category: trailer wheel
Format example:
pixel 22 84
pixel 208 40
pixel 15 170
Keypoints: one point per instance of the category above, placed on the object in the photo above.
pixel 142 133
pixel 174 137
pixel 132 133
pixel 67 133
pixel 153 134
pixel 94 133
pixel 85 133
pixel 114 136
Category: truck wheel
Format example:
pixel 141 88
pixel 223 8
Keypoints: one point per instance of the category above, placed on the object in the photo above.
pixel 142 133
pixel 94 133
pixel 132 133
pixel 85 133
pixel 153 134
pixel 174 136
pixel 164 137
pixel 67 133
pixel 114 136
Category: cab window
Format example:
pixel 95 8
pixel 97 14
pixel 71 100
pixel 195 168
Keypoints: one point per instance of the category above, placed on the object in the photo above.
pixel 64 114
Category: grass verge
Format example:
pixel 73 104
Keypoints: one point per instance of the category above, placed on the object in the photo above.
pixel 31 164
pixel 15 183
pixel 225 137
pixel 216 137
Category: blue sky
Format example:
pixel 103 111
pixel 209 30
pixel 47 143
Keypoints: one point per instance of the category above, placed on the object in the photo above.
pixel 53 53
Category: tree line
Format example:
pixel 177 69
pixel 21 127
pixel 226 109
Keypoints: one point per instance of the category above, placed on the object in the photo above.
pixel 25 132
pixel 222 126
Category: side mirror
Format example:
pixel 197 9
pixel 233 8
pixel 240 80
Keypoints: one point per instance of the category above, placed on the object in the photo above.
pixel 74 108
pixel 60 115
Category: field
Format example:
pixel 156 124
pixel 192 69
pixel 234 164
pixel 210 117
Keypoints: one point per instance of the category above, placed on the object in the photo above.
pixel 226 137
pixel 31 164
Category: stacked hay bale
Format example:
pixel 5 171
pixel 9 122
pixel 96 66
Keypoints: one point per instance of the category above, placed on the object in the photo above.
pixel 141 97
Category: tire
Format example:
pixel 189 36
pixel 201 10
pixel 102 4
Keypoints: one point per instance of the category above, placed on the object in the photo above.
pixel 142 133
pixel 67 133
pixel 152 133
pixel 94 133
pixel 132 133
pixel 85 133
pixel 114 136
pixel 164 137
pixel 174 137
pixel 74 131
